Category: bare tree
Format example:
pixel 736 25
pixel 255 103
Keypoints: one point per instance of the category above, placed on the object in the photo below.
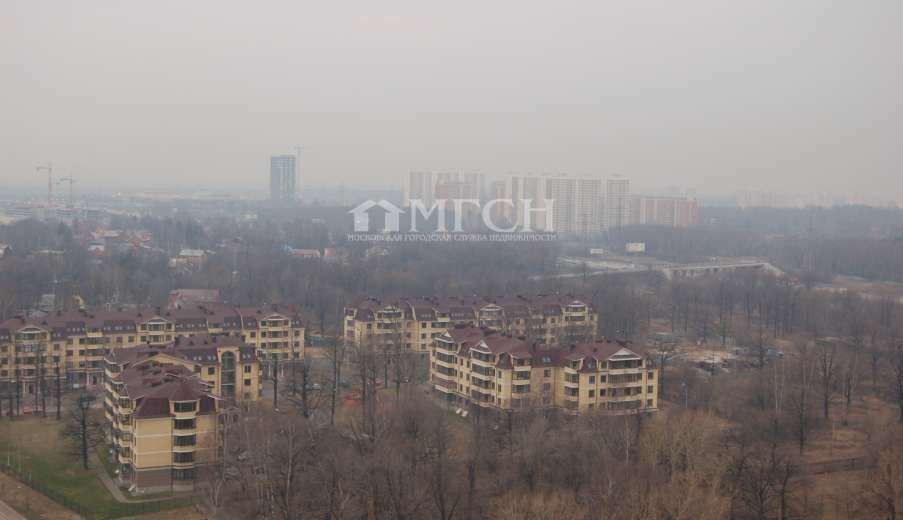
pixel 800 399
pixel 826 353
pixel 336 355
pixel 83 428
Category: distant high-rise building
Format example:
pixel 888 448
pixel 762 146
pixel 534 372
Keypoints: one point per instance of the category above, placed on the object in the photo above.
pixel 562 191
pixel 283 177
pixel 587 201
pixel 663 211
pixel 419 187
pixel 532 188
pixel 617 203
pixel 578 204
pixel 501 213
pixel 428 187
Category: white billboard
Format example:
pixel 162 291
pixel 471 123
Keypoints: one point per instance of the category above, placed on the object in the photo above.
pixel 636 247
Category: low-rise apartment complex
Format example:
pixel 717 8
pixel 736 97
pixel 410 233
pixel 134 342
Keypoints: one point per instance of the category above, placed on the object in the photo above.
pixel 413 323
pixel 476 366
pixel 74 343
pixel 162 406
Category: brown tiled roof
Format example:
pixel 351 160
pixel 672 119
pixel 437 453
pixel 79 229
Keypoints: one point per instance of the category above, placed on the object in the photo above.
pixel 155 385
pixel 463 308
pixel 200 349
pixel 192 317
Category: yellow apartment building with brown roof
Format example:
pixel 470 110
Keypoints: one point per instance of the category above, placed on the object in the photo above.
pixel 480 367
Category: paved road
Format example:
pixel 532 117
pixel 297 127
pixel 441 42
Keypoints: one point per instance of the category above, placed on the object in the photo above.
pixel 8 513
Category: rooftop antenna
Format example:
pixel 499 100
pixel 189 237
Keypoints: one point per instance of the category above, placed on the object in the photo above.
pixel 71 181
pixel 49 169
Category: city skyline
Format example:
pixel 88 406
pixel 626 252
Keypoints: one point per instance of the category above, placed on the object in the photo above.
pixel 378 91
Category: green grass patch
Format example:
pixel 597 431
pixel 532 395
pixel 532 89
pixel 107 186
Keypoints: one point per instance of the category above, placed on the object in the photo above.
pixel 36 451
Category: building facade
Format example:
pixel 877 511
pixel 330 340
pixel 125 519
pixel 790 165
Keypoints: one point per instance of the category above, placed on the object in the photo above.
pixel 419 187
pixel 411 324
pixel 617 203
pixel 162 406
pixel 664 211
pixel 480 367
pixel 73 344
pixel 283 177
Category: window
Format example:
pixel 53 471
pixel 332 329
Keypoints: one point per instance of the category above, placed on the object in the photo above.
pixel 183 457
pixel 247 382
pixel 247 369
pixel 648 403
pixel 592 380
pixel 592 393
pixel 184 424
pixel 650 389
pixel 546 373
pixel 184 440
pixel 183 474
pixel 185 406
pixel 211 371
pixel 651 376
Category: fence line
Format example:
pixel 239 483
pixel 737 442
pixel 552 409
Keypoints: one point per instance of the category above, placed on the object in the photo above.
pixel 119 509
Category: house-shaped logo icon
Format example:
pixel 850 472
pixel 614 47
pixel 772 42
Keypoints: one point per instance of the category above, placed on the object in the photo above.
pixel 362 216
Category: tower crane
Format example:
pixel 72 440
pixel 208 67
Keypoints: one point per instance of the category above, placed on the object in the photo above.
pixel 49 169
pixel 71 181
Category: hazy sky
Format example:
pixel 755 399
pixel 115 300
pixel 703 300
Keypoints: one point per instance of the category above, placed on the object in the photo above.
pixel 720 95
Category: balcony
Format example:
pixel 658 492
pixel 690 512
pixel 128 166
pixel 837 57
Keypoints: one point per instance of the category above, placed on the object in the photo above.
pixel 448 347
pixel 450 363
pixel 520 389
pixel 481 397
pixel 485 385
pixel 445 385
pixel 482 371
pixel 183 459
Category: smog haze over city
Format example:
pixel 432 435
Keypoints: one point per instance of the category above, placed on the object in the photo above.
pixel 451 260
pixel 717 96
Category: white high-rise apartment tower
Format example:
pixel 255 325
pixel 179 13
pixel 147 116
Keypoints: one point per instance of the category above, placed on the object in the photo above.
pixel 420 186
pixel 617 203
pixel 283 177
